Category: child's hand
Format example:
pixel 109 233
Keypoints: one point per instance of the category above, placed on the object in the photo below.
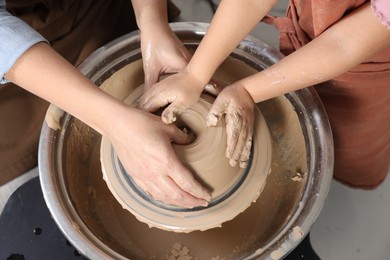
pixel 237 105
pixel 178 92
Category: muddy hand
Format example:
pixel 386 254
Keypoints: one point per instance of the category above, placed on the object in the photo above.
pixel 178 92
pixel 162 53
pixel 238 107
pixel 148 156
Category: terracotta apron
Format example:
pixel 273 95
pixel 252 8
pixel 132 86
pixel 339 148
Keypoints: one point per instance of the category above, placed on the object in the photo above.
pixel 74 29
pixel 357 102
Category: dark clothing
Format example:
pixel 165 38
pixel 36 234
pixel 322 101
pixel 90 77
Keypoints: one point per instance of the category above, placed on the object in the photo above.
pixel 74 29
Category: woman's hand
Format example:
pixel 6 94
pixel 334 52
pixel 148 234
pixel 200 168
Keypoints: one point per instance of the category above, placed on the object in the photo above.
pixel 178 92
pixel 238 107
pixel 162 53
pixel 141 140
pixel 143 145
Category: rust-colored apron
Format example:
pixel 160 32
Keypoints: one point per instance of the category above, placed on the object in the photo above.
pixel 357 102
pixel 75 29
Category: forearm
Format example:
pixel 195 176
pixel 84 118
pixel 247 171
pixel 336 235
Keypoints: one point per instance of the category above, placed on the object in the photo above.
pixel 40 70
pixel 337 50
pixel 232 22
pixel 134 135
pixel 151 14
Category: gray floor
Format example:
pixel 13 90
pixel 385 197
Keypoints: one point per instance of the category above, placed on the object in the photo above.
pixel 353 224
pixel 7 189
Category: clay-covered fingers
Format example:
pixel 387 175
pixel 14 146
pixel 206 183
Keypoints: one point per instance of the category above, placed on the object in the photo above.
pixel 184 179
pixel 171 182
pixel 154 99
pixel 181 136
pixel 177 93
pixel 162 53
pixel 158 67
pixel 180 189
pixel 246 151
pixel 185 188
pixel 181 176
pixel 239 131
pixel 143 144
pixel 163 177
pixel 170 114
pixel 151 102
pixel 217 110
pixel 238 107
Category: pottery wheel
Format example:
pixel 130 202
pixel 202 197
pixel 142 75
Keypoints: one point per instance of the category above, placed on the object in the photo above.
pixel 233 189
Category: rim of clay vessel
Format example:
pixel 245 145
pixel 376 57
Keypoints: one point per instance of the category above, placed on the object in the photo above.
pixel 233 189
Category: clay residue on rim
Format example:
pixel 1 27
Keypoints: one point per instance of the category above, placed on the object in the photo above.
pixel 53 117
pixel 238 238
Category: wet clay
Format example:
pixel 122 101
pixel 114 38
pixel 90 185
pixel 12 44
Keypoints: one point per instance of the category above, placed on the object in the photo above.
pixel 232 189
pixel 53 117
pixel 247 233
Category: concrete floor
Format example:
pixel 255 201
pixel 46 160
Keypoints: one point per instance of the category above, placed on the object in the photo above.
pixel 353 224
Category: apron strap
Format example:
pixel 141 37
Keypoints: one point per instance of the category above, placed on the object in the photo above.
pixel 292 37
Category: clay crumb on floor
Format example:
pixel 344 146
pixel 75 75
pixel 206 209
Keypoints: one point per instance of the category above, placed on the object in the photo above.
pixel 179 252
pixel 297 177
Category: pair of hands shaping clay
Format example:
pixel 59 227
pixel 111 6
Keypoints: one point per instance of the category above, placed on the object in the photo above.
pixel 232 189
